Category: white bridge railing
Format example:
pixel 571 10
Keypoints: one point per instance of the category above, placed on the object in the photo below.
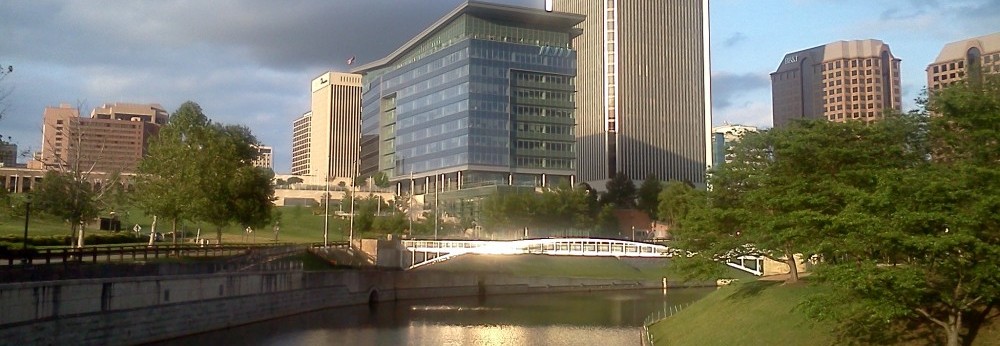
pixel 424 252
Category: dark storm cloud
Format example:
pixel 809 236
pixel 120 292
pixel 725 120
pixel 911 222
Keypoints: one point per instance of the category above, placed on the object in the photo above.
pixel 246 62
pixel 726 87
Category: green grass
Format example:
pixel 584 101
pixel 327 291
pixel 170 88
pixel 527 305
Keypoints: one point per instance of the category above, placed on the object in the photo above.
pixel 761 313
pixel 567 266
pixel 297 225
pixel 747 313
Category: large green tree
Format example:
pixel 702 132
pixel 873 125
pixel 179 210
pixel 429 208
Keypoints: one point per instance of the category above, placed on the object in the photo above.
pixel 199 170
pixel 674 202
pixel 620 191
pixel 920 252
pixel 169 177
pixel 781 192
pixel 65 195
pixel 648 196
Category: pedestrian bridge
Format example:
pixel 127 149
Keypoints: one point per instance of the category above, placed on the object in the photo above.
pixel 425 252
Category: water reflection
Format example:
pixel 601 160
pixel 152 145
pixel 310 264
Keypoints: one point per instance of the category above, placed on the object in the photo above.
pixel 593 318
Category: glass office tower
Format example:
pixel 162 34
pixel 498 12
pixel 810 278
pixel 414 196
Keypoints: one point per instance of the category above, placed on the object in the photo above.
pixel 483 97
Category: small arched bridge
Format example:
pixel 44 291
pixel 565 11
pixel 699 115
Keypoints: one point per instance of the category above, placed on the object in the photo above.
pixel 424 252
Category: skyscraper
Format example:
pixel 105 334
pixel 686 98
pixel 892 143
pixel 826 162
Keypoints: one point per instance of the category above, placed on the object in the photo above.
pixel 301 144
pixel 334 125
pixel 973 56
pixel 838 81
pixel 484 96
pixel 643 86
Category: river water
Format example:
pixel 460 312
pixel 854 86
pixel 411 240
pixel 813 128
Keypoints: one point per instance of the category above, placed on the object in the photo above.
pixel 590 318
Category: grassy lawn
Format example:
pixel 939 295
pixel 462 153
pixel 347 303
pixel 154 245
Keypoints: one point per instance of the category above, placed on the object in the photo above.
pixel 747 313
pixel 760 313
pixel 297 225
pixel 567 266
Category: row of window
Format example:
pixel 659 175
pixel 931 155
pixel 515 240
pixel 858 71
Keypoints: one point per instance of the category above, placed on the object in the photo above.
pixel 860 106
pixel 543 112
pixel 432 114
pixel 831 92
pixel 424 101
pixel 544 95
pixel 530 144
pixel 855 115
pixel 544 162
pixel 426 68
pixel 854 63
pixel 545 128
pixel 429 83
pixel 544 78
pixel 854 81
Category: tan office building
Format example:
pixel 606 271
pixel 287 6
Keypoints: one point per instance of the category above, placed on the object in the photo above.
pixel 265 157
pixel 977 55
pixel 301 144
pixel 642 89
pixel 838 81
pixel 334 125
pixel 113 139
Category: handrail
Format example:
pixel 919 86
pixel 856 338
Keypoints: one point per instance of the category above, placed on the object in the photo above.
pixel 110 253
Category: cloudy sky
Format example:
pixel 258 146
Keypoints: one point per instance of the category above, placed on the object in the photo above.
pixel 251 61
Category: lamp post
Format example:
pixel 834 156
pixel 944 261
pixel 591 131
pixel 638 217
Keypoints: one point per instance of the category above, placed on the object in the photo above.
pixel 27 215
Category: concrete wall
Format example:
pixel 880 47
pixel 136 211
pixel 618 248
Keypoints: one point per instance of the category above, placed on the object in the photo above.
pixel 145 309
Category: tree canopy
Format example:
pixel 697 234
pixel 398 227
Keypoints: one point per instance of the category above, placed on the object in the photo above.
pixel 902 215
pixel 199 170
pixel 649 196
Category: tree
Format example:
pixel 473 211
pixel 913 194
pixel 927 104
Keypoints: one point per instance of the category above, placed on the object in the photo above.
pixel 649 195
pixel 66 196
pixel 674 202
pixel 294 180
pixel 919 253
pixel 620 191
pixel 785 187
pixel 200 170
pixel 76 193
pixel 227 176
pixel 169 176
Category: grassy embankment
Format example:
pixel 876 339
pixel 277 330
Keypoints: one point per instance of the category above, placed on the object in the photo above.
pixel 297 225
pixel 758 313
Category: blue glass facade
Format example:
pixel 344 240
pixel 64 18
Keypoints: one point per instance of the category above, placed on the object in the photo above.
pixel 482 100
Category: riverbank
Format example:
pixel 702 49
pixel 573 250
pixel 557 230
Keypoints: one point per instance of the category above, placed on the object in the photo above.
pixel 758 313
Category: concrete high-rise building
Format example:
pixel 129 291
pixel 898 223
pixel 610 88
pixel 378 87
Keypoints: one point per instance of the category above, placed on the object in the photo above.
pixel 484 96
pixel 265 158
pixel 335 125
pixel 838 81
pixel 643 89
pixel 150 113
pixel 973 56
pixel 8 154
pixel 113 139
pixel 301 144
pixel 723 138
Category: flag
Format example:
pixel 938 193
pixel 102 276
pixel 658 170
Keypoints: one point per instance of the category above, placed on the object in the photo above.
pixel 350 60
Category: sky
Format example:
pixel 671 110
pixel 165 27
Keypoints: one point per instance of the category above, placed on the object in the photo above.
pixel 250 62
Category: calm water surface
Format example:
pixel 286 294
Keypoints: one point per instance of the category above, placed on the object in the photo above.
pixel 595 318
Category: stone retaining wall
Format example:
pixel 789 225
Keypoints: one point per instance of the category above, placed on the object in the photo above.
pixel 144 309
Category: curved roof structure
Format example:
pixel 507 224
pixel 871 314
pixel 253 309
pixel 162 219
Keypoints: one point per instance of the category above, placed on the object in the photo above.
pixel 956 50
pixel 514 14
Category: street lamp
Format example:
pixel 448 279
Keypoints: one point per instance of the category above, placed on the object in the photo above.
pixel 27 215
